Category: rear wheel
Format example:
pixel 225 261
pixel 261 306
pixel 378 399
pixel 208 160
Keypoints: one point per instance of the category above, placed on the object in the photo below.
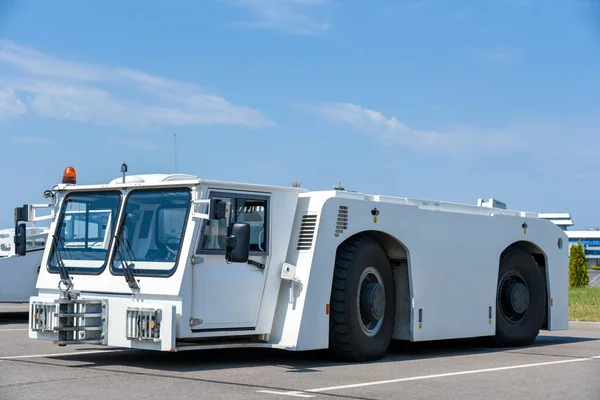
pixel 362 301
pixel 520 300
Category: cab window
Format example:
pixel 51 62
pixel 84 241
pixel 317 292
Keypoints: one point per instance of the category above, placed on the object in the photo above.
pixel 250 209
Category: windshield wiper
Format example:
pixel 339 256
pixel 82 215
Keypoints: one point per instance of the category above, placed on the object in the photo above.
pixel 62 270
pixel 126 255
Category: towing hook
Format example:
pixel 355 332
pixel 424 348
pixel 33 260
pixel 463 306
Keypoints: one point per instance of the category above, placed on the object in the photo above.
pixel 65 286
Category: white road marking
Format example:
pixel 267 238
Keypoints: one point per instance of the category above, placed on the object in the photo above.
pixel 75 353
pixel 594 280
pixel 13 329
pixel 293 394
pixel 297 393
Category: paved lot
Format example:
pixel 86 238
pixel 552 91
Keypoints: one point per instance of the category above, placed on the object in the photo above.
pixel 13 308
pixel 560 365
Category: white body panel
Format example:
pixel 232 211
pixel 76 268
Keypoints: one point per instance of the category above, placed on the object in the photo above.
pixel 18 276
pixel 453 268
pixel 447 255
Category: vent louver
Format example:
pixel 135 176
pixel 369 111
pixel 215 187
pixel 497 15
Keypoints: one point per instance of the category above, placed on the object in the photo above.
pixel 342 221
pixel 307 231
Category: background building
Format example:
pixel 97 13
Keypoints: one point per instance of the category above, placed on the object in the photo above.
pixel 563 220
pixel 589 238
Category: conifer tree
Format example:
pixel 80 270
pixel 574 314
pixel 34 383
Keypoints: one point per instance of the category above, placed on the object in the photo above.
pixel 578 266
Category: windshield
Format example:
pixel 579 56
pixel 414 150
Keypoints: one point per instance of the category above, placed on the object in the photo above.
pixel 85 227
pixel 151 230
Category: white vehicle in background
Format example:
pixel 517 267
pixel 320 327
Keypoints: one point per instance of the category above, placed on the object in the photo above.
pixel 36 240
pixel 19 273
pixel 181 263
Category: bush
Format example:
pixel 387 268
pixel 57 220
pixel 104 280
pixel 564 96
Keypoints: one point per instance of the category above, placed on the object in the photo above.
pixel 578 266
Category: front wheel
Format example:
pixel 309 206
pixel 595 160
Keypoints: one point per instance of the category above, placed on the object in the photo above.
pixel 363 301
pixel 520 300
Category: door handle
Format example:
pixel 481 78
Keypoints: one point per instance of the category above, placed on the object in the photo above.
pixel 256 264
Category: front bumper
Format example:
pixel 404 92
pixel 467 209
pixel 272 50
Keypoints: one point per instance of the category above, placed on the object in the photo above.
pixel 79 321
pixel 108 321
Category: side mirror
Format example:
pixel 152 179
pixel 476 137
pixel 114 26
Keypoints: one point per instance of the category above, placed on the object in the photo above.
pixel 20 240
pixel 238 243
pixel 219 209
pixel 21 214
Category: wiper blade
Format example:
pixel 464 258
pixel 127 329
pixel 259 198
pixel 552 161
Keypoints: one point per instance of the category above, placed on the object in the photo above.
pixel 62 270
pixel 126 255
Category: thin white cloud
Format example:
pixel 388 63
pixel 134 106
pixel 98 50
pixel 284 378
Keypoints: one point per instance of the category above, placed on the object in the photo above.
pixel 391 131
pixel 499 56
pixel 31 140
pixel 10 104
pixel 290 16
pixel 76 91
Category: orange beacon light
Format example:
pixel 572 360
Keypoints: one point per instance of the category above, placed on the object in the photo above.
pixel 69 176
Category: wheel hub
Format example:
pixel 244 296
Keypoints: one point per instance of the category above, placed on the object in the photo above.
pixel 519 297
pixel 513 297
pixel 372 301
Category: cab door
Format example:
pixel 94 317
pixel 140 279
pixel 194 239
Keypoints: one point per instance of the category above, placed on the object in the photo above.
pixel 227 296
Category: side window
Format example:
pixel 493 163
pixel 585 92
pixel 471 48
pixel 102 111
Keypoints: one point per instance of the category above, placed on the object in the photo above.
pixel 249 209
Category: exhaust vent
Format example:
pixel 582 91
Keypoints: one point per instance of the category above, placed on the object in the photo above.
pixel 307 232
pixel 342 221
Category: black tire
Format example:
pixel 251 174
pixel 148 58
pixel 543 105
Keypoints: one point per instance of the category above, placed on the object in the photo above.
pixel 347 340
pixel 520 300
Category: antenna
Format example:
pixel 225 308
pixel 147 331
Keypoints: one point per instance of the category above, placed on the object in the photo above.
pixel 175 146
pixel 296 183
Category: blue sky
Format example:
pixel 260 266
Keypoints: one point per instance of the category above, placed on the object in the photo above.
pixel 445 100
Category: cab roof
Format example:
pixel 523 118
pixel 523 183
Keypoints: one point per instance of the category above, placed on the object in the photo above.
pixel 166 180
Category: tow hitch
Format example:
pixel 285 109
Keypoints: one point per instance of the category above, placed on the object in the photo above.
pixel 77 321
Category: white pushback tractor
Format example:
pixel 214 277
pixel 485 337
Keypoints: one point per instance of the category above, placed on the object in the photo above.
pixel 173 262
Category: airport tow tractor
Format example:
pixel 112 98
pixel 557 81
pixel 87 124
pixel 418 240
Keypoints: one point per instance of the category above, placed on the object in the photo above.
pixel 173 262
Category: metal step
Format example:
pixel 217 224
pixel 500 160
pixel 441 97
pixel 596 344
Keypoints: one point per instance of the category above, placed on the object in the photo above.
pixel 88 315
pixel 70 342
pixel 77 328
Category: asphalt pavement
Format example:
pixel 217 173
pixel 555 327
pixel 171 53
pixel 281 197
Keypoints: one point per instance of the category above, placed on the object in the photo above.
pixel 559 365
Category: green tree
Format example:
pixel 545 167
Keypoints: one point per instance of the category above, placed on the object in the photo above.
pixel 578 266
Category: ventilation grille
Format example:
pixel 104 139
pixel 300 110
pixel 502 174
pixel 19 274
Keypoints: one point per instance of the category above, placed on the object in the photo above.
pixel 43 318
pixel 143 324
pixel 342 221
pixel 307 231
